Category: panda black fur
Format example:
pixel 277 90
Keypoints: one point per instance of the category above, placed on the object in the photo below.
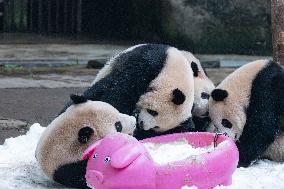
pixel 203 87
pixel 153 81
pixel 249 106
pixel 60 147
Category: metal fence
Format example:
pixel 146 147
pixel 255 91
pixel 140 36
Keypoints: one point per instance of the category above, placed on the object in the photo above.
pixel 41 16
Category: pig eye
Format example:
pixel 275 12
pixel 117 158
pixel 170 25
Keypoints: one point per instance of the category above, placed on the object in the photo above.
pixel 107 159
pixel 95 156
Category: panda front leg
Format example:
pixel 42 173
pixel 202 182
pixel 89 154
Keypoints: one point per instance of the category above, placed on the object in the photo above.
pixel 255 139
pixel 72 175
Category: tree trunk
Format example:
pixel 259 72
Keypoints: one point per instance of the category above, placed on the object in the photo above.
pixel 277 16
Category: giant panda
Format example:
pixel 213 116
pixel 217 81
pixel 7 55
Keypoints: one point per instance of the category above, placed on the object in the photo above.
pixel 249 107
pixel 203 87
pixel 153 82
pixel 61 145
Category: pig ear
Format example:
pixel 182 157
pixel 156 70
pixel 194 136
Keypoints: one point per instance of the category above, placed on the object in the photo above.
pixel 90 150
pixel 126 155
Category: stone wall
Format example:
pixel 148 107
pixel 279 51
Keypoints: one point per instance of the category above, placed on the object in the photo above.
pixel 222 26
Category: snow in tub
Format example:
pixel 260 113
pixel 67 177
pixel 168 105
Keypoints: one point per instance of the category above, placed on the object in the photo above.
pixel 119 161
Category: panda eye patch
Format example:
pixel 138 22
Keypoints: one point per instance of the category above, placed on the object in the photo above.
pixel 205 95
pixel 118 126
pixel 219 94
pixel 226 123
pixel 85 134
pixel 178 97
pixel 152 112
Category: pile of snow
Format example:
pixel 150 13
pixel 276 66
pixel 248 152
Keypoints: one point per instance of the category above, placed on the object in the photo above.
pixel 163 153
pixel 19 168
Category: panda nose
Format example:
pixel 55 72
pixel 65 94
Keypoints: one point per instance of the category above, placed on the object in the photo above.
pixel 141 124
pixel 206 114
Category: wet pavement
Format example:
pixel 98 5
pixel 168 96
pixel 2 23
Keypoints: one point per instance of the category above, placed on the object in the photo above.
pixel 38 99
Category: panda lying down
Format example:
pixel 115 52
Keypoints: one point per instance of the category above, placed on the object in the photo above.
pixel 60 147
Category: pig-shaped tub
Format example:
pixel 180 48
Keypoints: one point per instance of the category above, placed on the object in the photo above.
pixel 119 161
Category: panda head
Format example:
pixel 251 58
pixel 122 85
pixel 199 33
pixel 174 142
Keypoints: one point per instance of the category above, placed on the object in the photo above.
pixel 226 114
pixel 83 123
pixel 203 86
pixel 230 100
pixel 169 98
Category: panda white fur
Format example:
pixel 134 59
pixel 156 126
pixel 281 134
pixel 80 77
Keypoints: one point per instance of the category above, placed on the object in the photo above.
pixel 61 146
pixel 153 81
pixel 249 106
pixel 203 87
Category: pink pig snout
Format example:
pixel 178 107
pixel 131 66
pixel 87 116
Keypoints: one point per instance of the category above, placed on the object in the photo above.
pixel 94 177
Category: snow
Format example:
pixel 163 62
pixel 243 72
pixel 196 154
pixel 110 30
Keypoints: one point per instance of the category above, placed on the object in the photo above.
pixel 163 153
pixel 18 166
pixel 19 169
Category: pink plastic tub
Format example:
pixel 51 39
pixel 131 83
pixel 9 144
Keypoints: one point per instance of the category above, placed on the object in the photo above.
pixel 119 161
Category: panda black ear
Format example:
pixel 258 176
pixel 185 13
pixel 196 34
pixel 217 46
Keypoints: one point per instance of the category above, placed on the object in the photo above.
pixel 178 97
pixel 219 94
pixel 194 68
pixel 78 99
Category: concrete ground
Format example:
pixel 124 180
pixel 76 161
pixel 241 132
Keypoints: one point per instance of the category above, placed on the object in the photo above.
pixel 55 55
pixel 37 97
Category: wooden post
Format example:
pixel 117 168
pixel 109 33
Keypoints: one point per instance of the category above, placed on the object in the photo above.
pixel 277 17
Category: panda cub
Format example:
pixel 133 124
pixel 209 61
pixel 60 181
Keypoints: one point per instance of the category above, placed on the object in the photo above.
pixel 203 87
pixel 249 106
pixel 152 81
pixel 61 145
